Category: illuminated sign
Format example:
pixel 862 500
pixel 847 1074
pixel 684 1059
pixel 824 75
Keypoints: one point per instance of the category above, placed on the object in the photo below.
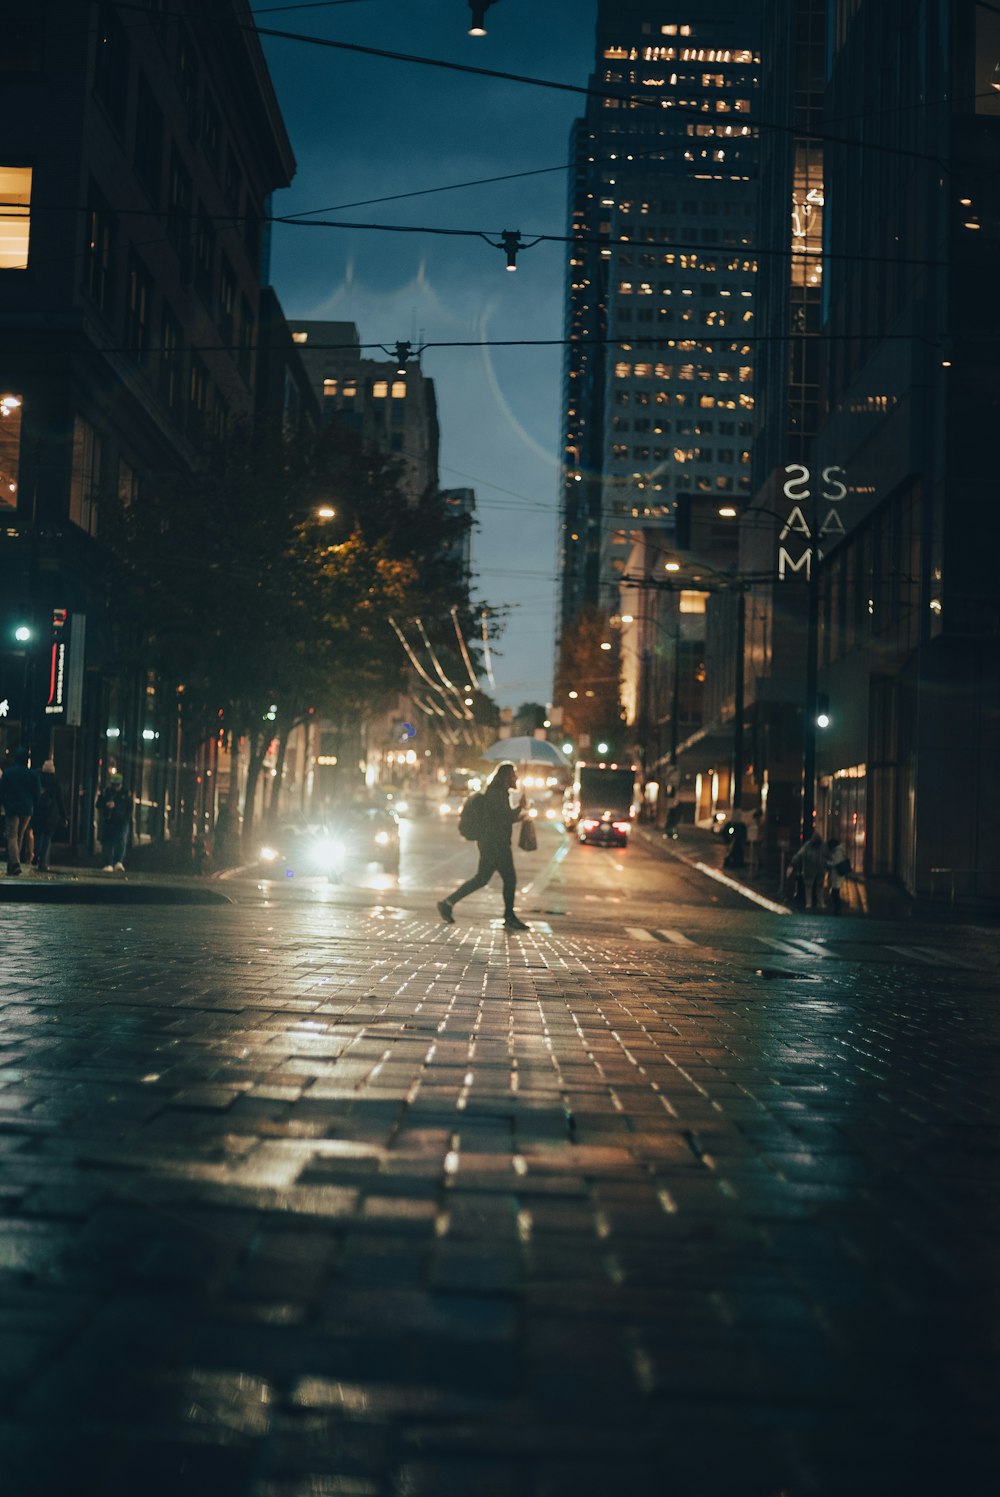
pixel 56 702
pixel 66 652
pixel 797 542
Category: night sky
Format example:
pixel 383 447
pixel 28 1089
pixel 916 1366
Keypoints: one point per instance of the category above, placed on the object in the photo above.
pixel 364 128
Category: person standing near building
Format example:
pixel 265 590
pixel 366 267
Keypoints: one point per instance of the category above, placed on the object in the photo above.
pixel 493 840
pixel 838 868
pixel 753 842
pixel 49 816
pixel 809 864
pixel 19 792
pixel 114 811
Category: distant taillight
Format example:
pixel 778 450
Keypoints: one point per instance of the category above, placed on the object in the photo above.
pixel 622 826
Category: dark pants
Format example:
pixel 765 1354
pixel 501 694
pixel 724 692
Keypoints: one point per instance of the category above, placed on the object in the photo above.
pixel 491 860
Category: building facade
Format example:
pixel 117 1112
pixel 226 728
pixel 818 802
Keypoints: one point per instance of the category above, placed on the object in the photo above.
pixel 393 406
pixel 140 151
pixel 659 367
pixel 909 605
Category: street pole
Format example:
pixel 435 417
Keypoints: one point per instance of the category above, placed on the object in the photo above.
pixel 809 725
pixel 737 795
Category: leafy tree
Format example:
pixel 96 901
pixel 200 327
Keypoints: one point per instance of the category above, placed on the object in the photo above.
pixel 262 610
pixel 593 674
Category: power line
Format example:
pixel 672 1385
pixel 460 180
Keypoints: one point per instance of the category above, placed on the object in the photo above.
pixel 645 245
pixel 573 88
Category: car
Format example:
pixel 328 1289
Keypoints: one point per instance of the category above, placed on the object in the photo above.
pixel 606 828
pixel 352 834
pixel 370 834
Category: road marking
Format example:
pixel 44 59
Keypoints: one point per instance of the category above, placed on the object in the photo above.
pixel 811 948
pixel 676 936
pixel 730 883
pixel 639 933
pixel 785 947
pixel 536 885
pixel 932 958
pixel 914 954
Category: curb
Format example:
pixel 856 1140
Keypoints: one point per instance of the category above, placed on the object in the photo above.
pixel 75 890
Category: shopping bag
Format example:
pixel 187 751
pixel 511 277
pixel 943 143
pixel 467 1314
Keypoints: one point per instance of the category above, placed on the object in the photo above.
pixel 527 839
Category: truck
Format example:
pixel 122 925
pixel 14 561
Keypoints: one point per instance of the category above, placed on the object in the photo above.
pixel 603 803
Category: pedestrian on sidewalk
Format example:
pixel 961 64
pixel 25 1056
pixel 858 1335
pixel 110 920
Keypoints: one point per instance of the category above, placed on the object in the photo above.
pixel 19 792
pixel 838 868
pixel 809 865
pixel 736 832
pixel 50 815
pixel 114 811
pixel 753 842
pixel 497 818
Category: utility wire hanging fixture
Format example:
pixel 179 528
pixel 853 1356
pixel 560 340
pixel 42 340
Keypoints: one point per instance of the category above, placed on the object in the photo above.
pixel 477 23
pixel 511 243
pixel 402 352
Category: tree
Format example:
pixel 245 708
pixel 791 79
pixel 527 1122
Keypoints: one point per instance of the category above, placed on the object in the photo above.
pixel 592 674
pixel 260 610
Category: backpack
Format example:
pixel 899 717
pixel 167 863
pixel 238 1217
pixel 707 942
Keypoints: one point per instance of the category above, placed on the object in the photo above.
pixel 472 819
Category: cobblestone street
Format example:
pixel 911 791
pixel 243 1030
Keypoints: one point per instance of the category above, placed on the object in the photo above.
pixel 349 1203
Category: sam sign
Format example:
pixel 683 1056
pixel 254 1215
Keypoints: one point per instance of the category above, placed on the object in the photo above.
pixel 797 542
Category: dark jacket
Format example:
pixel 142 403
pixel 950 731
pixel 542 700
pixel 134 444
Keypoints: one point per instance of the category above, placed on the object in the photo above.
pixel 498 819
pixel 114 806
pixel 20 787
pixel 50 814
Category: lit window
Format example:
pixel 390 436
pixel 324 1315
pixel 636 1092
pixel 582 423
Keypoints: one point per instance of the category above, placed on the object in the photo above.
pixel 10 448
pixel 350 390
pixel 301 338
pixel 380 389
pixel 330 388
pixel 399 389
pixel 15 216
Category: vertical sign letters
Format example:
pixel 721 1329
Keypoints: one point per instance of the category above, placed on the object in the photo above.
pixel 797 543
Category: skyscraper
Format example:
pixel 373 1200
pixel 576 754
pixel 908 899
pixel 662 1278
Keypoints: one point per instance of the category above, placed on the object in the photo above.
pixel 658 375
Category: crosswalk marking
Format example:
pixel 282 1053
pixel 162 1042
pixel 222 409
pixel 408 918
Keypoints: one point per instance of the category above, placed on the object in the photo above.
pixel 784 947
pixel 932 958
pixel 639 933
pixel 675 936
pixel 811 948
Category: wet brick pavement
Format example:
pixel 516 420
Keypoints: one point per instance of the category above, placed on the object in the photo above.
pixel 349 1204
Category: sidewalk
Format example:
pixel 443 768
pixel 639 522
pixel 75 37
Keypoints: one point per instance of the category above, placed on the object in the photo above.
pixel 882 899
pixel 80 884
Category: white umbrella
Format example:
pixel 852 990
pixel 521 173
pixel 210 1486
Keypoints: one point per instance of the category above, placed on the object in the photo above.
pixel 527 751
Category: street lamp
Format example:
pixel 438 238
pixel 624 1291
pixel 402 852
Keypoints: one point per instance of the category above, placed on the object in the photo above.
pixel 477 24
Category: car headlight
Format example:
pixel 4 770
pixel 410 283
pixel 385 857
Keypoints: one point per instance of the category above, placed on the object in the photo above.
pixel 381 839
pixel 444 809
pixel 268 854
pixel 401 807
pixel 327 853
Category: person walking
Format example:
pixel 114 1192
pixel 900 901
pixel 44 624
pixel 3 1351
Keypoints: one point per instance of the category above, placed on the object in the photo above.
pixel 50 815
pixel 809 864
pixel 838 868
pixel 493 840
pixel 19 792
pixel 114 811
